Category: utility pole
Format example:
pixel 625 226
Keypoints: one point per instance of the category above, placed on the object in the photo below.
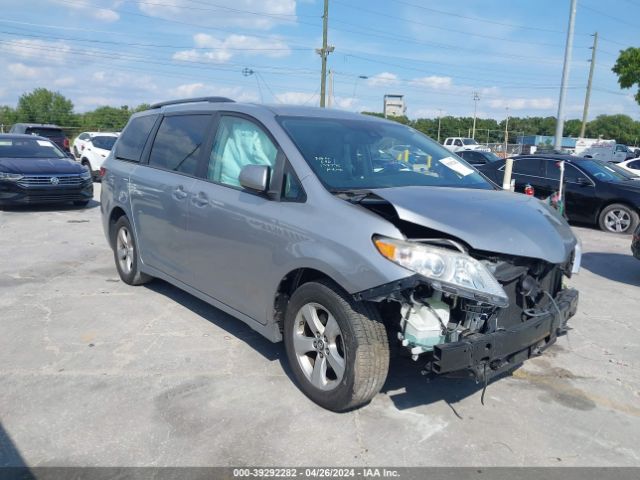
pixel 587 98
pixel 506 134
pixel 330 88
pixel 324 53
pixel 565 75
pixel 476 98
pixel 439 116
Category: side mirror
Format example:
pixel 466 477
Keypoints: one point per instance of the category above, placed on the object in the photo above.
pixel 583 181
pixel 255 177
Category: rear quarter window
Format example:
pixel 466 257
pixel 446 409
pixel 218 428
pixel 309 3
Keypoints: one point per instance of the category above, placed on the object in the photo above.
pixel 133 139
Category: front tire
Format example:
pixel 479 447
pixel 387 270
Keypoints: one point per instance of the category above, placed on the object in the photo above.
pixel 125 253
pixel 337 348
pixel 618 218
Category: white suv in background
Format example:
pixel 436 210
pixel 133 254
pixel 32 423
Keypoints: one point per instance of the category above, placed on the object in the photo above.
pixel 80 142
pixel 96 149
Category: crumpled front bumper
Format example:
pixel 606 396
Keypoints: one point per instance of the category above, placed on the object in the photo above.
pixel 489 354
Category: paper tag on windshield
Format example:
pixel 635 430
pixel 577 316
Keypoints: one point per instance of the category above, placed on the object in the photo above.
pixel 44 143
pixel 456 166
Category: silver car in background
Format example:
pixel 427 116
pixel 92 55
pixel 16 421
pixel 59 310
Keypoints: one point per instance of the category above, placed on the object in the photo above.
pixel 311 227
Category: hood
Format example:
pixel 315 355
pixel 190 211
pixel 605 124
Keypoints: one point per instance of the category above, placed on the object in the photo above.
pixel 494 221
pixel 40 166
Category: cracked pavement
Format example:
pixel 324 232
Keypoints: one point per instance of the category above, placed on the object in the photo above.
pixel 94 372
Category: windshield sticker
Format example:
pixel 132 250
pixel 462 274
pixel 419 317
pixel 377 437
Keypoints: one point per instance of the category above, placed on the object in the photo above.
pixel 6 143
pixel 44 143
pixel 456 166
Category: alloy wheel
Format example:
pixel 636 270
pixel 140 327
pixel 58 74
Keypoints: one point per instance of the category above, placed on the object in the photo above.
pixel 319 347
pixel 617 221
pixel 124 249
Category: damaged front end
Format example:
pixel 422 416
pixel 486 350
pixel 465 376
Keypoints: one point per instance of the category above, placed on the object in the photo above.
pixel 452 328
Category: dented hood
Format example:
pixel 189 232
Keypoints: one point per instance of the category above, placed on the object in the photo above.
pixel 494 221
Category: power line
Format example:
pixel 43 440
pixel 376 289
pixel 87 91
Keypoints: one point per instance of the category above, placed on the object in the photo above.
pixel 447 29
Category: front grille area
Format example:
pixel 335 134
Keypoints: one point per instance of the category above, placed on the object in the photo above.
pixel 72 180
pixel 63 197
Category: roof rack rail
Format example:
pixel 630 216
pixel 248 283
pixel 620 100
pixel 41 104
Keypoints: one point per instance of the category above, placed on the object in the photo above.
pixel 191 100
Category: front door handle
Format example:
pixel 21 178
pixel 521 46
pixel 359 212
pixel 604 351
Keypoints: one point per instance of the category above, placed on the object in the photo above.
pixel 179 193
pixel 200 200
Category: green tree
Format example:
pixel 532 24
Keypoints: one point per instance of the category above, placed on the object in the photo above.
pixel 45 106
pixel 627 68
pixel 7 116
pixel 621 128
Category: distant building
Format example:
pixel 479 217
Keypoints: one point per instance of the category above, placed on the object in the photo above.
pixel 394 106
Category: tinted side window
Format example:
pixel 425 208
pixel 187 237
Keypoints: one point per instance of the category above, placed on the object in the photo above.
pixel 447 141
pixel 132 141
pixel 473 157
pixel 178 141
pixel 634 165
pixel 238 142
pixel 571 173
pixel 528 166
pixel 458 143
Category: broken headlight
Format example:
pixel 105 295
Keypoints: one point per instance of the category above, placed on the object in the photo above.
pixel 448 271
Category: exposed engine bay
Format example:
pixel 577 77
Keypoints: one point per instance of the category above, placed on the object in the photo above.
pixel 452 328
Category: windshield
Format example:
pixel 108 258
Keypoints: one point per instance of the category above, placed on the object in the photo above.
pixel 491 157
pixel 469 141
pixel 607 172
pixel 104 142
pixel 29 148
pixel 363 154
pixel 44 132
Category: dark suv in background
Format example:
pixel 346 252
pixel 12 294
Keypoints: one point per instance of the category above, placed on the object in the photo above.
pixel 595 192
pixel 52 132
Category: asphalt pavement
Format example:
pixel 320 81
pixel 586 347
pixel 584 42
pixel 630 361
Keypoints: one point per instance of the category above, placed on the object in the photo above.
pixel 95 372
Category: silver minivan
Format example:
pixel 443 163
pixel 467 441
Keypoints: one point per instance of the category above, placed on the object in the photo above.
pixel 341 234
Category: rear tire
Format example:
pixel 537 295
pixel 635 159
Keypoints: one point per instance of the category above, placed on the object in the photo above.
pixel 618 218
pixel 337 348
pixel 125 253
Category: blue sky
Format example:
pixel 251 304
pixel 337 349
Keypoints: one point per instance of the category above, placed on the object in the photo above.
pixel 126 52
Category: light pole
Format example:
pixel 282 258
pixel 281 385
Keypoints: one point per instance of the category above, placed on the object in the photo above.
pixel 476 98
pixel 565 75
pixel 439 117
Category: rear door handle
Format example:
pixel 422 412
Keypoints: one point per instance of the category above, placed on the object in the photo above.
pixel 200 200
pixel 179 193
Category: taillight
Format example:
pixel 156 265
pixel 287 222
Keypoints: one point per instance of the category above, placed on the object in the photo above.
pixel 103 172
pixel 66 143
pixel 528 190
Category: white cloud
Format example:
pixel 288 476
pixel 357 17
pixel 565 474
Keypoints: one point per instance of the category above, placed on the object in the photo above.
pixel 103 12
pixel 298 98
pixel 198 89
pixel 38 49
pixel 64 82
pixel 115 79
pixel 223 50
pixel 20 70
pixel 383 79
pixel 523 103
pixel 433 81
pixel 105 15
pixel 228 13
